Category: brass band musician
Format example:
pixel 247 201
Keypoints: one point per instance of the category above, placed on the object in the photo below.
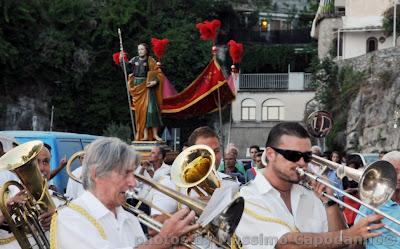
pixel 96 218
pixel 279 213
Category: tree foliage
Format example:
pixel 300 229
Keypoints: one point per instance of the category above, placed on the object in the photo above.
pixel 276 58
pixel 388 21
pixel 60 51
pixel 335 89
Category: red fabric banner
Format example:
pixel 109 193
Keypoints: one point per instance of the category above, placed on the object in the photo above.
pixel 201 96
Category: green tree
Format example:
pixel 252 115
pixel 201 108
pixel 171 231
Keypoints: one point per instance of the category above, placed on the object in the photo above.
pixel 61 51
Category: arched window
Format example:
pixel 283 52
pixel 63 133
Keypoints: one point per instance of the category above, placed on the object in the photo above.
pixel 248 109
pixel 273 109
pixel 372 44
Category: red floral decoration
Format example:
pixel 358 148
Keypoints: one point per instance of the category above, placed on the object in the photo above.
pixel 159 47
pixel 208 30
pixel 235 51
pixel 116 57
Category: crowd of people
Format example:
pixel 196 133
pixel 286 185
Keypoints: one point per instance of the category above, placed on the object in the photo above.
pixel 279 211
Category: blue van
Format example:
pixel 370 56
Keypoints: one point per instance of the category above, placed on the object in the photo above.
pixel 62 144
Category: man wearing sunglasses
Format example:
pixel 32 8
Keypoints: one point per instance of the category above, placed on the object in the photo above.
pixel 280 213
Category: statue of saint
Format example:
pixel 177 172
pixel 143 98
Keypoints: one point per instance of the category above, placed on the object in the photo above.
pixel 145 82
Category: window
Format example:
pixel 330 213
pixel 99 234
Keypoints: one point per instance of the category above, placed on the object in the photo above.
pixel 273 109
pixel 372 44
pixel 248 109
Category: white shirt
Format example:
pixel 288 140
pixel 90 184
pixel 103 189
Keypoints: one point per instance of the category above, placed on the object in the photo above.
pixel 76 231
pixel 266 217
pixel 146 191
pixel 75 189
pixel 6 176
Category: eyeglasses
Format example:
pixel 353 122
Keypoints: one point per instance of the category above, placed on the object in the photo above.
pixel 293 155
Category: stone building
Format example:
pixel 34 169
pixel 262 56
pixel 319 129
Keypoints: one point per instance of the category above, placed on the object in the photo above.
pixel 350 28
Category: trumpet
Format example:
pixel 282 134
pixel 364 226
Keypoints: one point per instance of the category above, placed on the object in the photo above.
pixel 24 219
pixel 220 230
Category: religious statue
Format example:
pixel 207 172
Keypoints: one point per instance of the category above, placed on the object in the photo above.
pixel 145 83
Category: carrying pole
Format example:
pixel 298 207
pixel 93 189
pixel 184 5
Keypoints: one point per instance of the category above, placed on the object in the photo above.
pixel 126 81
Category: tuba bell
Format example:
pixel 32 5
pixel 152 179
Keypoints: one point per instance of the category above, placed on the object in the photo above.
pixel 194 168
pixel 23 220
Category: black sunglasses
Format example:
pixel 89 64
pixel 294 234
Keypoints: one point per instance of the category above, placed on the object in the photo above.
pixel 293 155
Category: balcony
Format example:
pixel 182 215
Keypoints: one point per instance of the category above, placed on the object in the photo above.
pixel 298 36
pixel 275 82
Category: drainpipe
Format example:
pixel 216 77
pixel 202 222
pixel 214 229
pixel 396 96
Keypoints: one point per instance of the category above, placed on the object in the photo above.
pixel 338 44
pixel 394 22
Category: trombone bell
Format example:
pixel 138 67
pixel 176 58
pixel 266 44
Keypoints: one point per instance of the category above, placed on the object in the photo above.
pixel 377 183
pixel 195 167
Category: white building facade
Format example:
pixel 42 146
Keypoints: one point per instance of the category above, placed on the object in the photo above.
pixel 264 100
pixel 355 27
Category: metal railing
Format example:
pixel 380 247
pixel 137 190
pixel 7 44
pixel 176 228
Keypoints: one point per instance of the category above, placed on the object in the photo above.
pixel 275 81
pixel 264 81
pixel 307 81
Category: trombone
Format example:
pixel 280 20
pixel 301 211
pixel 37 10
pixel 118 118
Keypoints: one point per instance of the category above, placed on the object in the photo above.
pixel 220 230
pixel 377 182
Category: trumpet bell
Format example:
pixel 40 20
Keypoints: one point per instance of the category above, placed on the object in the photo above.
pixel 377 183
pixel 195 167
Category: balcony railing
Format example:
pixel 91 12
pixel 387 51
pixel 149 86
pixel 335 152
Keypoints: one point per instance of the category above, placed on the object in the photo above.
pixel 307 81
pixel 264 81
pixel 276 81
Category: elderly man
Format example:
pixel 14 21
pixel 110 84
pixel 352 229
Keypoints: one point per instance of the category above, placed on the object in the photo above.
pixel 230 169
pixel 96 219
pixel 282 214
pixel 391 207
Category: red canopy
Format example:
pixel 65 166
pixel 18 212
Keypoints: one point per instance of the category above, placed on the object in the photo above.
pixel 201 96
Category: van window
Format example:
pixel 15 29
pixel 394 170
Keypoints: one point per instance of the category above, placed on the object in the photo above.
pixel 86 142
pixel 66 147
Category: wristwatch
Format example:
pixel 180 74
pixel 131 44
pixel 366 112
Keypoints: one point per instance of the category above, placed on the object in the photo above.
pixel 329 203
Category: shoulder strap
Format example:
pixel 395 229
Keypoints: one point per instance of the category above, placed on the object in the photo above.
pixel 7 240
pixel 83 212
pixel 269 219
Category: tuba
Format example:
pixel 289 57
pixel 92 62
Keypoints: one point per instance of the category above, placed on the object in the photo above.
pixel 23 220
pixel 194 168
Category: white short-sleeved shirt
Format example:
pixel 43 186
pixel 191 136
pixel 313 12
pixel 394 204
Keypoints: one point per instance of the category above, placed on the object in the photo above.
pixel 75 189
pixel 76 231
pixel 266 217
pixel 146 191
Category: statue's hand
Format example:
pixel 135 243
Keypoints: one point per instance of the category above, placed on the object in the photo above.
pixel 151 83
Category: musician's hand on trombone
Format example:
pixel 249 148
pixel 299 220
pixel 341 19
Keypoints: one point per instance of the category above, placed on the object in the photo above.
pixel 365 228
pixel 319 189
pixel 178 225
